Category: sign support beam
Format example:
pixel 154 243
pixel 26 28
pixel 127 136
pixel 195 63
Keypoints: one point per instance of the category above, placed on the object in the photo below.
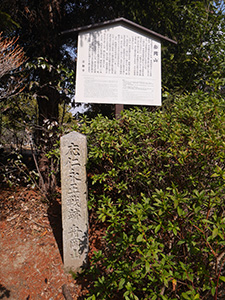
pixel 118 109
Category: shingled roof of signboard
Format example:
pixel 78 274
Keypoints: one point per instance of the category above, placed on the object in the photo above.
pixel 122 21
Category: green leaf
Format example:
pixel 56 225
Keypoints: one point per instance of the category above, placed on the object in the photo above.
pixel 179 211
pixel 181 242
pixel 121 283
pixel 147 266
pixel 215 232
pixel 213 291
pixel 157 228
pixel 140 238
pixel 185 296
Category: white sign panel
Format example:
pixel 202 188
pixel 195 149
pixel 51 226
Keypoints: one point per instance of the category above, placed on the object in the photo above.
pixel 118 65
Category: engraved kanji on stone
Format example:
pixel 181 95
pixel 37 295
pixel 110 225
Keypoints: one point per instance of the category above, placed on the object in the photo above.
pixel 73 152
pixel 73 213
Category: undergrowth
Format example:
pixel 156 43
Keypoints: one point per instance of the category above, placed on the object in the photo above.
pixel 156 182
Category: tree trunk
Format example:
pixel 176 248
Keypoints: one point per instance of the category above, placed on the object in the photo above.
pixel 47 137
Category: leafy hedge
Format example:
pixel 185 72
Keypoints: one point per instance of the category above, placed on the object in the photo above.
pixel 157 185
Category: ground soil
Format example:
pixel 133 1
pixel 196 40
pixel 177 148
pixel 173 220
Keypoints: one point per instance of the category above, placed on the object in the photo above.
pixel 31 265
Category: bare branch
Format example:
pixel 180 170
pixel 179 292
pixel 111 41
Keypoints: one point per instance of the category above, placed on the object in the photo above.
pixel 12 57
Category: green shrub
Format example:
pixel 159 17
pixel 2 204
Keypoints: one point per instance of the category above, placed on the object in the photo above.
pixel 157 185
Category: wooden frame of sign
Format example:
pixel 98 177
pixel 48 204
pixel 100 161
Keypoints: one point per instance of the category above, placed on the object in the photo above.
pixel 118 62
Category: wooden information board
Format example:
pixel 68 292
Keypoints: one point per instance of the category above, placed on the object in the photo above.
pixel 118 64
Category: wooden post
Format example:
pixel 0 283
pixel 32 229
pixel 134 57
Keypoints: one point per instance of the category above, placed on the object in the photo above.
pixel 118 109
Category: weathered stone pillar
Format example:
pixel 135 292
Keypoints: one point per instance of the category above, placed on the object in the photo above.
pixel 73 148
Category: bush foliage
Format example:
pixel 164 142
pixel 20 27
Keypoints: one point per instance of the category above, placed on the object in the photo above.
pixel 157 185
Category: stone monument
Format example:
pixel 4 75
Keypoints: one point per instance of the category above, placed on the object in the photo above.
pixel 73 148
